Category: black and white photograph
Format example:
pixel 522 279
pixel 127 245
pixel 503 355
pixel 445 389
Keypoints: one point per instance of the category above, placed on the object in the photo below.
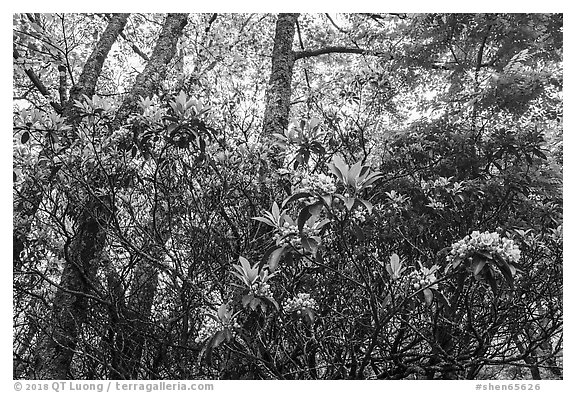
pixel 287 196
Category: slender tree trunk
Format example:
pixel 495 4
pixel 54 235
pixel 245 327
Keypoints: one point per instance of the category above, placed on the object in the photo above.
pixel 280 85
pixel 155 71
pixel 133 323
pixel 69 310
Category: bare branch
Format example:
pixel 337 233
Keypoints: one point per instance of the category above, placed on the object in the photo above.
pixel 337 49
pixel 38 83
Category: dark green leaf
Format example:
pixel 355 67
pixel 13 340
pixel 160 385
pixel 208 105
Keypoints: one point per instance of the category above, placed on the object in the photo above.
pixel 275 258
pixel 349 202
pixel 304 215
pixel 247 299
pixel 441 297
pixel 294 197
pixel 477 265
pixel 265 221
pixel 218 339
pixel 428 296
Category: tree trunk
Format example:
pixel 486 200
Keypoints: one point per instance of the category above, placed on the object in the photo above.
pixel 131 329
pixel 69 310
pixel 30 195
pixel 155 71
pixel 280 85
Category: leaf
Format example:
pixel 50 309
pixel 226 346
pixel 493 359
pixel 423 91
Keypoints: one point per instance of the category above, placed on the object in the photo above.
pixel 25 137
pixel 341 166
pixel 327 199
pixel 491 280
pixel 265 220
pixel 485 254
pixel 428 296
pixel 349 202
pixel 441 298
pixel 294 197
pixel 310 245
pixel 254 303
pixel 323 223
pixel 477 265
pixel 303 217
pixel 308 315
pixel 313 123
pixel 222 313
pixel 218 339
pixel 245 264
pixel 395 263
pixel 274 303
pixel 368 204
pixel 370 179
pixel 353 173
pixel 241 276
pixel 247 299
pixel 275 258
pixel 336 172
pixel 275 211
pixel 505 269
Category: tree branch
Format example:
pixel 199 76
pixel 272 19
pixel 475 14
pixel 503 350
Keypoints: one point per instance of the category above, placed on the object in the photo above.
pixel 93 67
pixel 334 24
pixel 62 91
pixel 38 83
pixel 153 74
pixel 335 49
pixel 136 50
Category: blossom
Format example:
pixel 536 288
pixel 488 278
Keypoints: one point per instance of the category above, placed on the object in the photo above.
pixel 435 204
pixel 288 234
pixel 261 289
pixel 213 325
pixel 423 278
pixel 486 242
pixel 359 215
pixel 299 302
pixel 317 183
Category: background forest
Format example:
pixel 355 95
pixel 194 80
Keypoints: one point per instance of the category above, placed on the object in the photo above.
pixel 287 196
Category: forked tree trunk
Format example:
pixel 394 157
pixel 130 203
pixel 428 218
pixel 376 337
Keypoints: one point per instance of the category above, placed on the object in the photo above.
pixel 132 327
pixel 155 71
pixel 69 310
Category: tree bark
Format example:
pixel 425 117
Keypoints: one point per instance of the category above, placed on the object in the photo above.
pixel 131 330
pixel 93 67
pixel 69 310
pixel 155 71
pixel 280 84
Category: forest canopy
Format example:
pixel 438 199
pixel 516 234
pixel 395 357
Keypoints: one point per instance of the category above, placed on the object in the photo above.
pixel 287 196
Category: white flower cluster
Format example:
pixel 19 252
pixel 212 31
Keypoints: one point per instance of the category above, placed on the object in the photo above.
pixel 211 327
pixel 299 302
pixel 419 279
pixel 397 200
pixel 261 289
pixel 442 183
pixel 359 215
pixel 436 204
pixel 288 234
pixel 317 184
pixel 487 242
